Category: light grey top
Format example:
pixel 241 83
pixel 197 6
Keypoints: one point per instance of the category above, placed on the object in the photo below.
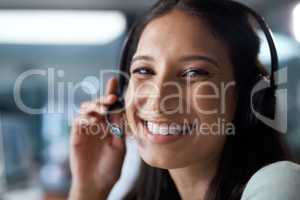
pixel 277 181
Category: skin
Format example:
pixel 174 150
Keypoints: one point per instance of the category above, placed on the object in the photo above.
pixel 96 157
pixel 163 45
pixel 192 160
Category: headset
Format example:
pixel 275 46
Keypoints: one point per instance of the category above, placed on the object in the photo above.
pixel 117 131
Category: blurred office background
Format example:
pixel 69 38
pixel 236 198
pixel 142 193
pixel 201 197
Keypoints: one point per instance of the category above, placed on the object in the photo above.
pixel 65 44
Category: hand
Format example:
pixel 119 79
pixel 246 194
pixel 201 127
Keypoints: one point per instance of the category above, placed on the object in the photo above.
pixel 96 156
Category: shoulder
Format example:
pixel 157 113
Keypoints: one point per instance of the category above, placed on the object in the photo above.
pixel 277 181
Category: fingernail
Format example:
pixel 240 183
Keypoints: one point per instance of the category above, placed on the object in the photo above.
pixel 111 97
pixel 103 110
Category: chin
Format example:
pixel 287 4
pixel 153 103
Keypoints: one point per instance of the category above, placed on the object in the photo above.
pixel 162 164
pixel 160 160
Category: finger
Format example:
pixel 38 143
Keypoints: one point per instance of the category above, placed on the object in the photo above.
pixel 76 130
pixel 79 121
pixel 118 144
pixel 117 118
pixel 107 100
pixel 81 124
pixel 85 126
pixel 95 110
pixel 111 87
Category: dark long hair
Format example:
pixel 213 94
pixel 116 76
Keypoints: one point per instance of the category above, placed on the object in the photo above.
pixel 254 144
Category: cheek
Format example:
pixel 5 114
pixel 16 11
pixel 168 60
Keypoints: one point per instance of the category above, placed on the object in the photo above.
pixel 138 95
pixel 205 101
pixel 133 101
pixel 129 107
pixel 135 91
pixel 214 104
pixel 132 96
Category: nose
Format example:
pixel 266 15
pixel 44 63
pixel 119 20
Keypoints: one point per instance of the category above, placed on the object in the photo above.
pixel 164 96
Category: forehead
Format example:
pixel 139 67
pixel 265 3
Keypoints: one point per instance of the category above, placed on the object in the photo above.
pixel 178 32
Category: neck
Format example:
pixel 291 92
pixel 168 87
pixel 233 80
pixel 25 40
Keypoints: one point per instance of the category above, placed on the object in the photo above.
pixel 193 181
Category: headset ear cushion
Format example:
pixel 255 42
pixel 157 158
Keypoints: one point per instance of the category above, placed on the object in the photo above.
pixel 264 100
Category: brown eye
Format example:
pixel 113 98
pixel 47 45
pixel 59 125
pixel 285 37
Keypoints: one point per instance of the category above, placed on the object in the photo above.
pixel 143 71
pixel 192 73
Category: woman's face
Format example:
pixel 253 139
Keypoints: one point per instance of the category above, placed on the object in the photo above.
pixel 180 98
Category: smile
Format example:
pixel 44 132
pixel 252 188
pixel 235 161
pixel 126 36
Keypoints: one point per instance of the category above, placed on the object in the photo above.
pixel 166 129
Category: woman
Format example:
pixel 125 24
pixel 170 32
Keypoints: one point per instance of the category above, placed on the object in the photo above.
pixel 192 66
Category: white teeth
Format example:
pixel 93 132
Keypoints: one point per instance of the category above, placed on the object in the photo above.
pixel 164 129
pixel 175 128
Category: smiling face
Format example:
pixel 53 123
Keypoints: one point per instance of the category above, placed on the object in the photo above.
pixel 180 78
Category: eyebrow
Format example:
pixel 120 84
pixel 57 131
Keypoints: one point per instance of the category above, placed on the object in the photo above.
pixel 183 59
pixel 200 57
pixel 142 57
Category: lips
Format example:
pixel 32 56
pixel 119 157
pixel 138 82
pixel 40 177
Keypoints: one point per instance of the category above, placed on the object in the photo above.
pixel 164 129
pixel 167 129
